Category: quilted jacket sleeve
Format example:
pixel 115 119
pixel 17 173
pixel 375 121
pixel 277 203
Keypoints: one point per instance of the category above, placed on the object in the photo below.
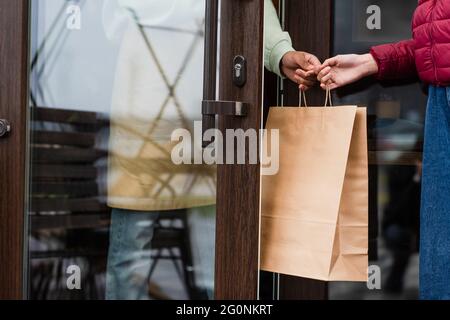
pixel 395 60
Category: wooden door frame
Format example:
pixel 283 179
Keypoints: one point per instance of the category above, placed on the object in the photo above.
pixel 13 159
pixel 238 186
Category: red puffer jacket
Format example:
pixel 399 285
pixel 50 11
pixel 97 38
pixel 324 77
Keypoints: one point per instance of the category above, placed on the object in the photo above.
pixel 427 54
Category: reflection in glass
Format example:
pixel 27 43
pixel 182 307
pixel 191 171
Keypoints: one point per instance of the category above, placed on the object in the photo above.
pixel 110 81
pixel 395 120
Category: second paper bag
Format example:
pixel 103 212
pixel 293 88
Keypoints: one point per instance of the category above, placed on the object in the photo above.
pixel 315 209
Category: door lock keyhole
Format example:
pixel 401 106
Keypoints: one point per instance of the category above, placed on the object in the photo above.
pixel 5 128
pixel 239 71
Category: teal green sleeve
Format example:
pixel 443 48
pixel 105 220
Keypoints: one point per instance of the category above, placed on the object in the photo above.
pixel 277 42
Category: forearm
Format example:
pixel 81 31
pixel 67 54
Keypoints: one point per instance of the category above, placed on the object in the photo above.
pixel 368 65
pixel 277 42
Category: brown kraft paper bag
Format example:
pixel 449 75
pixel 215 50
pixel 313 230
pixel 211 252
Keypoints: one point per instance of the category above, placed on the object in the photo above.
pixel 315 209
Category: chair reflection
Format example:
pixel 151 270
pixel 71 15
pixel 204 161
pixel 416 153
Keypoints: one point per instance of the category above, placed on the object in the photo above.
pixel 69 218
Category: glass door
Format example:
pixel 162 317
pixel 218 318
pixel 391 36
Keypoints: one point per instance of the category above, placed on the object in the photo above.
pixel 396 120
pixel 111 215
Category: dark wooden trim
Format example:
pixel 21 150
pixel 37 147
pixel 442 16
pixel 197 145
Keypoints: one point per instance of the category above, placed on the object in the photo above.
pixel 309 25
pixel 294 288
pixel 13 106
pixel 210 60
pixel 238 186
pixel 276 3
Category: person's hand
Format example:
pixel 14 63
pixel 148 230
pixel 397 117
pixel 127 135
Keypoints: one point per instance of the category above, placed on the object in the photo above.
pixel 345 69
pixel 300 67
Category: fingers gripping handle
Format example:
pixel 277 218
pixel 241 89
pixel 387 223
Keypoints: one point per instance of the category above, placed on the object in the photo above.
pixel 302 99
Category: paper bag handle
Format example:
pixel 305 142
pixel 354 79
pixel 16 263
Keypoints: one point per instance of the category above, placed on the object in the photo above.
pixel 328 98
pixel 302 97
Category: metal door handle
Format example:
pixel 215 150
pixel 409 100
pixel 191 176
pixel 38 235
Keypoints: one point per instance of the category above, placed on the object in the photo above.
pixel 5 128
pixel 211 108
pixel 224 108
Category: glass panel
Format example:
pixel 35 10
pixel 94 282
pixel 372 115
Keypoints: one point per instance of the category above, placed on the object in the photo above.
pixel 111 215
pixel 396 118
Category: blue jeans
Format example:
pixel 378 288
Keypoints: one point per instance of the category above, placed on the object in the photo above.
pixel 435 207
pixel 129 256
